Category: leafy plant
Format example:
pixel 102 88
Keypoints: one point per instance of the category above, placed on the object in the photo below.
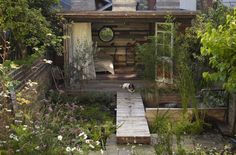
pixel 81 67
pixel 163 127
pixel 146 53
pixel 60 128
pixel 215 98
pixel 29 33
pixel 218 45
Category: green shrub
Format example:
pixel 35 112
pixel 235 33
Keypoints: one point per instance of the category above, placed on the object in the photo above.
pixel 163 127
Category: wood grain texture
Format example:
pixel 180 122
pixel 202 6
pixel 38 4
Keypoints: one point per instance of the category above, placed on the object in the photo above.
pixel 130 119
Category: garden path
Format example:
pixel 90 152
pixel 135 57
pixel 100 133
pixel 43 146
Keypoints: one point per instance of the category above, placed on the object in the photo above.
pixel 130 119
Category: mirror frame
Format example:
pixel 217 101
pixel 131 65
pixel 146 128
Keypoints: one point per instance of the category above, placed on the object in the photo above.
pixel 100 30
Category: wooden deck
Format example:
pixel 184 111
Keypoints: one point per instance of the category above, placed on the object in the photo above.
pixel 130 119
pixel 105 86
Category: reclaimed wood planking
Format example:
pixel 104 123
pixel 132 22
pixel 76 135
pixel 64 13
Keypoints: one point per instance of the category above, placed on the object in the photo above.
pixel 131 121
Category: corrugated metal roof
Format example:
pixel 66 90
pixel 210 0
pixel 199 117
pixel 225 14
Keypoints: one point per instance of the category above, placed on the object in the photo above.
pixel 80 5
pixel 66 4
pixel 229 3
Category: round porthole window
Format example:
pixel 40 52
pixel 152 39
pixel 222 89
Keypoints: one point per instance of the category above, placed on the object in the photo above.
pixel 106 34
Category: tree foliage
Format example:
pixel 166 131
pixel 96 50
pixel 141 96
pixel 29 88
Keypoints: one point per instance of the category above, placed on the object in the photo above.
pixel 28 30
pixel 146 53
pixel 219 44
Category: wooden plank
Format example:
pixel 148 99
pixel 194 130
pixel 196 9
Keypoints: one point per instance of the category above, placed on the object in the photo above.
pixel 130 119
pixel 128 14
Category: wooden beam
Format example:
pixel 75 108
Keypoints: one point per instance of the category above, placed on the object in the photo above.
pixel 122 15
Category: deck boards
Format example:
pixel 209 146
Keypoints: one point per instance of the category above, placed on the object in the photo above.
pixel 105 86
pixel 130 119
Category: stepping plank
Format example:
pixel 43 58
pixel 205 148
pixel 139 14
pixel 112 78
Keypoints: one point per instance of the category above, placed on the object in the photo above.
pixel 130 119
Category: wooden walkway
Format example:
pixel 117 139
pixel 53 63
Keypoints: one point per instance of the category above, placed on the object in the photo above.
pixel 130 119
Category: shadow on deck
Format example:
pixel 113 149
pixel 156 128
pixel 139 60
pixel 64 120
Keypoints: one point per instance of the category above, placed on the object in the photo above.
pixel 106 85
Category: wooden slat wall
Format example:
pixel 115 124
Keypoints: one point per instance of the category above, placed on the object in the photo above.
pixel 124 33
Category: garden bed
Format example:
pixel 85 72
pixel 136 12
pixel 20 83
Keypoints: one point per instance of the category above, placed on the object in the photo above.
pixel 161 101
pixel 175 114
pixel 63 124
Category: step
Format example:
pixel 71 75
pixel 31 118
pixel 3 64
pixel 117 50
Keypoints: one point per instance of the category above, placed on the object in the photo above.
pixel 130 119
pixel 125 70
pixel 120 64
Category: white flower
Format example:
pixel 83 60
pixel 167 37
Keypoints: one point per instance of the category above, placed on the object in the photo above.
pixel 18 121
pixel 14 137
pixel 49 34
pixel 68 149
pixel 18 150
pixel 11 135
pixel 87 141
pixel 7 127
pixel 85 136
pixel 31 83
pixel 90 145
pixel 73 149
pixel 37 148
pixel 5 95
pixel 24 129
pixel 36 48
pixel 101 151
pixel 25 126
pixel 97 142
pixel 47 61
pixel 8 110
pixel 81 107
pixel 59 137
pixel 81 134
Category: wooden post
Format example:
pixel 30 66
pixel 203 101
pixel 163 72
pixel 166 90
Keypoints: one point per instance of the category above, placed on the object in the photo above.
pixel 82 36
pixel 232 114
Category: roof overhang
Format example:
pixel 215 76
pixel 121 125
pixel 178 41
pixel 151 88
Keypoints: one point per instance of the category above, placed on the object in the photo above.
pixel 145 16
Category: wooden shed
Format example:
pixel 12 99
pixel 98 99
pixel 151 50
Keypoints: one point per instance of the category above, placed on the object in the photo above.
pixel 115 34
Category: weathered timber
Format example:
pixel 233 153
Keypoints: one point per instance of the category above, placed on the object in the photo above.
pixel 131 122
pixel 136 16
pixel 107 85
